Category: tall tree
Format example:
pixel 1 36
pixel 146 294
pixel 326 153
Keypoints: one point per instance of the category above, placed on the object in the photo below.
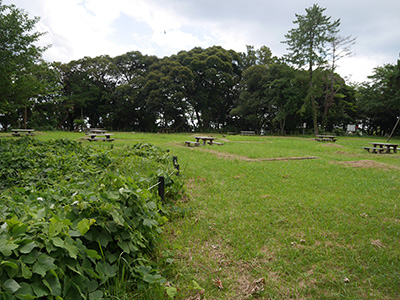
pixel 307 46
pixel 341 47
pixel 18 55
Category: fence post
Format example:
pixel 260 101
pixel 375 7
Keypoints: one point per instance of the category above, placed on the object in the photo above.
pixel 161 188
pixel 175 162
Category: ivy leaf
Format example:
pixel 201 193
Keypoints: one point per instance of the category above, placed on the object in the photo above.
pixel 11 286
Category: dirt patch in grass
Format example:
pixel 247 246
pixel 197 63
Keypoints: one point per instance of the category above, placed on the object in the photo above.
pixel 368 164
pixel 245 158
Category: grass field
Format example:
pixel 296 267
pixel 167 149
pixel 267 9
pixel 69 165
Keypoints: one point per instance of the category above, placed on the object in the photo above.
pixel 280 218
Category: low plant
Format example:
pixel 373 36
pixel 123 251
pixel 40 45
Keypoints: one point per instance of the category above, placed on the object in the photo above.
pixel 74 219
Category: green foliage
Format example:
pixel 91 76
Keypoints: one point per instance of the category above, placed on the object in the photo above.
pixel 75 218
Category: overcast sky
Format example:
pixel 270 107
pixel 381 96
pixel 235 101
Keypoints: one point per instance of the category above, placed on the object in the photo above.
pixel 78 28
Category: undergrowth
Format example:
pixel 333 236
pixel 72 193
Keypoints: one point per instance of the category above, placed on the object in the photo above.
pixel 81 222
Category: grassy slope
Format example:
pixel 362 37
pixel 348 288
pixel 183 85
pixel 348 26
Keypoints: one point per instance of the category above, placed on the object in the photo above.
pixel 305 226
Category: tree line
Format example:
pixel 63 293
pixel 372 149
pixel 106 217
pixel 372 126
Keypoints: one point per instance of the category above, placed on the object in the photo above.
pixel 210 89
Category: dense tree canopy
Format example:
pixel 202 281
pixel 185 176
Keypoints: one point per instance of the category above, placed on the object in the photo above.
pixel 210 89
pixel 19 58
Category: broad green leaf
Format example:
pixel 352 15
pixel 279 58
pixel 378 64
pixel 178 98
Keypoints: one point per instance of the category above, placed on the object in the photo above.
pixel 27 248
pixel 9 264
pixel 19 229
pixel 117 217
pixel 44 263
pixel 106 270
pixel 74 233
pixel 84 225
pixel 6 248
pixel 92 285
pixel 55 229
pixel 30 258
pixel 72 250
pixel 25 292
pixel 11 285
pixel 53 284
pixel 40 289
pixel 93 254
pixel 58 242
pixel 124 246
pixel 96 295
pixel 26 271
pixel 153 278
pixel 171 292
pixel 150 223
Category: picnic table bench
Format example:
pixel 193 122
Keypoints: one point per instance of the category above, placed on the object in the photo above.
pixel 18 132
pixel 326 138
pixel 379 147
pixel 192 143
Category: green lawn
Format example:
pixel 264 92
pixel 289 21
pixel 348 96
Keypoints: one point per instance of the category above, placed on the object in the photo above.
pixel 321 228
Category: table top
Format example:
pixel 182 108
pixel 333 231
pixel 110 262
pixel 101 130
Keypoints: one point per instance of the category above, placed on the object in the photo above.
pixel 205 137
pixel 383 144
pixel 326 136
pixel 22 130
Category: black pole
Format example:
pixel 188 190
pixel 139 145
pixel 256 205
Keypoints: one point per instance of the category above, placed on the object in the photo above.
pixel 161 188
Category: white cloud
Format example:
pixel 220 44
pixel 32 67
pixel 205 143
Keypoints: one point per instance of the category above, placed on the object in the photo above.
pixel 79 28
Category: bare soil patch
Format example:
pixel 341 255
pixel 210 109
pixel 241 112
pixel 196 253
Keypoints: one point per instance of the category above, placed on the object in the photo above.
pixel 245 158
pixel 368 164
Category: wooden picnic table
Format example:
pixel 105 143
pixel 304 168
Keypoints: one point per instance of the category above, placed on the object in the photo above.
pixel 205 139
pixel 18 132
pixel 104 137
pixel 326 138
pixel 379 147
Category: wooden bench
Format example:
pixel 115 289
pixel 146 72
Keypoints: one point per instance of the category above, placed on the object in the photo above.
pixel 326 139
pixel 190 143
pixel 100 139
pixel 248 133
pixel 94 137
pixel 375 149
pixel 18 132
pixel 215 143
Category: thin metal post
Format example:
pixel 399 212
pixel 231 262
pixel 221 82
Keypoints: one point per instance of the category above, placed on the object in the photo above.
pixel 394 128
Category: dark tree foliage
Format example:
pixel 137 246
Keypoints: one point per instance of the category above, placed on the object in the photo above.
pixel 19 57
pixel 210 89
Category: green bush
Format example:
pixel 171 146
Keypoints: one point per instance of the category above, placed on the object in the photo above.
pixel 75 217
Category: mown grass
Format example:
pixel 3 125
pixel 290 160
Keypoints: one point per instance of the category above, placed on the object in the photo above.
pixel 324 228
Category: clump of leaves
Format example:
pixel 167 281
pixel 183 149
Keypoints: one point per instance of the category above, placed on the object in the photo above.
pixel 72 218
